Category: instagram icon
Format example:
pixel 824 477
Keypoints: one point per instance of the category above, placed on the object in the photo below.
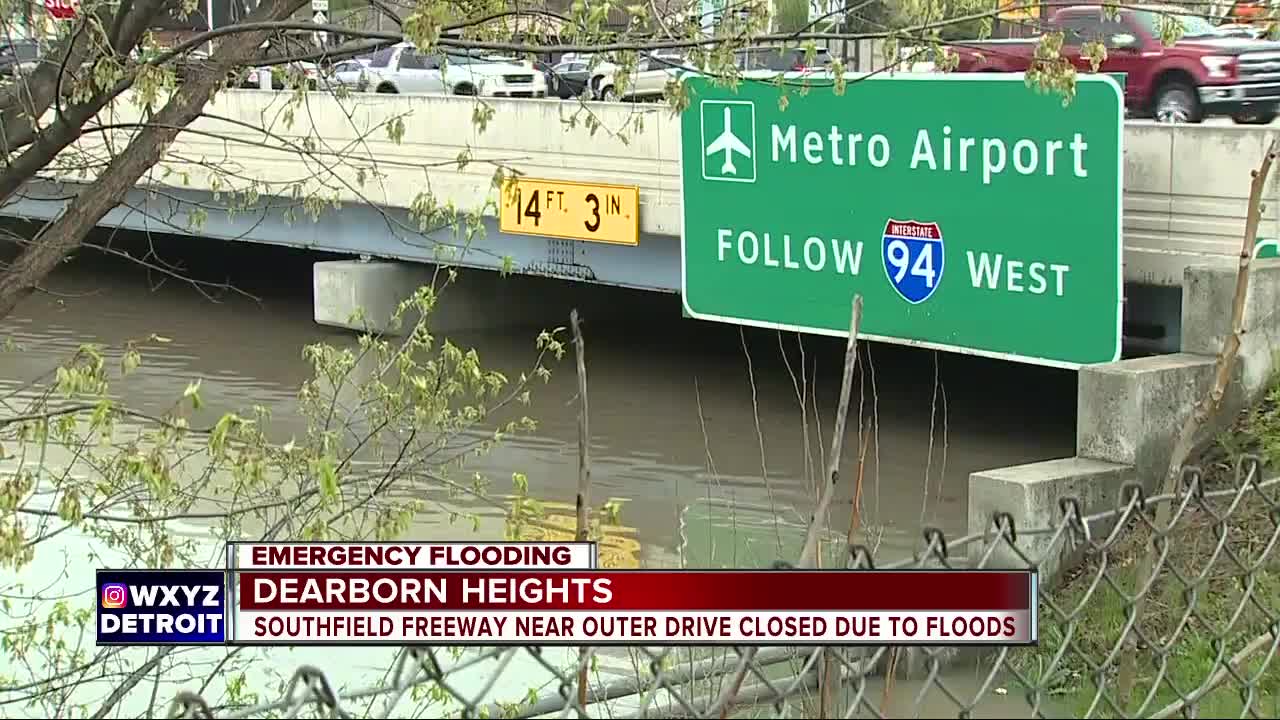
pixel 115 595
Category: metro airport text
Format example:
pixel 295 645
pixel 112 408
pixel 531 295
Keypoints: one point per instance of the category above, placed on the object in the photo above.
pixel 934 150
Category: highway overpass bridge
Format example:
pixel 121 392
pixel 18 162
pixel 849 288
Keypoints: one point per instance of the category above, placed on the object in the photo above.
pixel 349 174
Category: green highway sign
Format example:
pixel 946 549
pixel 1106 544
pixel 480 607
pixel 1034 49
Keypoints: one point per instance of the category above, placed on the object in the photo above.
pixel 971 212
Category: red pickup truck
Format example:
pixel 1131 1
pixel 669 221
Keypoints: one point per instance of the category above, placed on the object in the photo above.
pixel 1205 73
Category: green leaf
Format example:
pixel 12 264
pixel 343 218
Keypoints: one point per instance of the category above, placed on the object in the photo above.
pixel 130 361
pixel 193 392
pixel 395 130
pixel 328 478
pixel 69 507
pixel 101 414
pixel 218 437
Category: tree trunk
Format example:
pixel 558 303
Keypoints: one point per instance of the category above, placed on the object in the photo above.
pixel 66 128
pixel 61 237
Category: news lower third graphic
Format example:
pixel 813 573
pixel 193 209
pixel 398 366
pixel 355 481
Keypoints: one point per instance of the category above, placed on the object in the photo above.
pixel 162 607
pixel 511 593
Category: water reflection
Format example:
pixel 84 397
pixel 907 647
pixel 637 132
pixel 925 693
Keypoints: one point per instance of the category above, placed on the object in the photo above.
pixel 678 411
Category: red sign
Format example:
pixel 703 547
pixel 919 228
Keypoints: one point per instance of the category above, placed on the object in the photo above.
pixel 61 9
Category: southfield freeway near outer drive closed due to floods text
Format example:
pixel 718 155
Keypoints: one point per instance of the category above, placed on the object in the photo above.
pixel 905 209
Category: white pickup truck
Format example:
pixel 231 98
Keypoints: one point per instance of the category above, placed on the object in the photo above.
pixel 403 68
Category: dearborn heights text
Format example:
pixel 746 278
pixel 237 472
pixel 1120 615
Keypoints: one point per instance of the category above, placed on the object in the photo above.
pixel 341 590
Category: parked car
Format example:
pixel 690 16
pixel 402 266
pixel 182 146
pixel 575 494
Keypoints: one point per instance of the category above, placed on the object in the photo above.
pixel 352 74
pixel 647 82
pixel 584 68
pixel 769 61
pixel 915 60
pixel 553 80
pixel 403 68
pixel 1243 30
pixel 19 56
pixel 1248 11
pixel 1205 73
pixel 572 78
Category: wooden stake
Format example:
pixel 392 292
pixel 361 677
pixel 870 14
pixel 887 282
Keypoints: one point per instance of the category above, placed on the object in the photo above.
pixel 829 679
pixel 584 478
pixel 725 700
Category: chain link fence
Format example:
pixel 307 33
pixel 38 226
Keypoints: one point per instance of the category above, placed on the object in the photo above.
pixel 1201 638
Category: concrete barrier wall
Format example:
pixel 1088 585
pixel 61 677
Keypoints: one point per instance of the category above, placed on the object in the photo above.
pixel 355 159
pixel 1185 186
pixel 1186 192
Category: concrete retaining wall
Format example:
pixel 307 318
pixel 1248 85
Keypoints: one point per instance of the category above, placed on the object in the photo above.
pixel 1130 413
pixel 1185 194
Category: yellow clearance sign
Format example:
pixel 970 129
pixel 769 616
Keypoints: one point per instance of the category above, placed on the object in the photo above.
pixel 569 210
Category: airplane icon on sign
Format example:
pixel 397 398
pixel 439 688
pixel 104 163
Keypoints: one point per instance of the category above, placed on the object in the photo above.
pixel 728 135
pixel 728 143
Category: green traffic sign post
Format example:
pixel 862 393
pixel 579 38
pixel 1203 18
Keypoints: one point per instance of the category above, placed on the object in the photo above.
pixel 972 213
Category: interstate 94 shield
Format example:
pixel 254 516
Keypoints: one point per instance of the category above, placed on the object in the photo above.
pixel 913 258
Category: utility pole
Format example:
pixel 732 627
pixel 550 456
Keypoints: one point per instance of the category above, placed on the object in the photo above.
pixel 208 16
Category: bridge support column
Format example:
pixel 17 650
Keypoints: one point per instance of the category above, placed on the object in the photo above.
pixel 363 296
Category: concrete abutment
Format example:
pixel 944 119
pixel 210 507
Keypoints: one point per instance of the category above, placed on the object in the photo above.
pixel 1130 413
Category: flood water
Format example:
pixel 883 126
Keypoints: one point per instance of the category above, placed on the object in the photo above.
pixel 697 427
